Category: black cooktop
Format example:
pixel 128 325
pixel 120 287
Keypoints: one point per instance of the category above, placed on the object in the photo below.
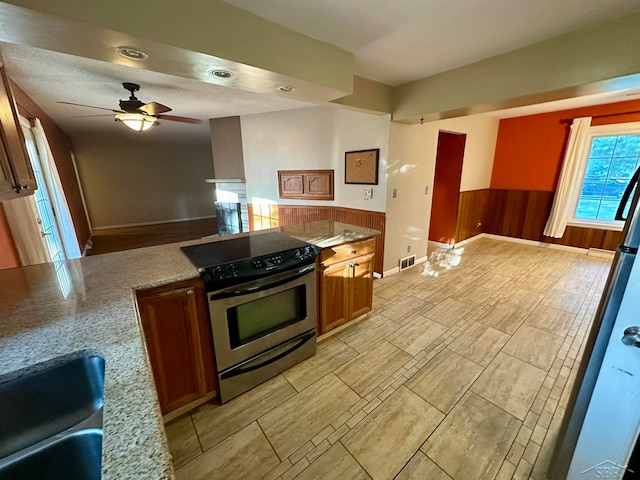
pixel 235 249
pixel 238 260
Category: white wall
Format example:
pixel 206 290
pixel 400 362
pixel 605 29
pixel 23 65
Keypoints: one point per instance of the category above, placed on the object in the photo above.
pixel 313 138
pixel 133 181
pixel 412 160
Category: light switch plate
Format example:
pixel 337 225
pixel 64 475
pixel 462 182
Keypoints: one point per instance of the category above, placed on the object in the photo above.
pixel 426 190
pixel 368 193
pixel 395 193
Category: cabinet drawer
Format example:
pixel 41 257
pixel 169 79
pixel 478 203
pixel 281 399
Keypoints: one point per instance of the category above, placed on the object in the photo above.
pixel 340 253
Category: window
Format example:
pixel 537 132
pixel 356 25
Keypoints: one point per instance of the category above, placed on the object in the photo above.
pixel 612 158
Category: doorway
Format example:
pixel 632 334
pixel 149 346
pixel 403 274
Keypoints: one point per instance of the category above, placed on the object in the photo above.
pixel 46 219
pixel 446 187
pixel 32 219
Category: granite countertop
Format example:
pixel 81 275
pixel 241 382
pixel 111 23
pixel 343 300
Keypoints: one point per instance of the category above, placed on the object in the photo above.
pixel 89 304
pixel 327 233
pixel 38 323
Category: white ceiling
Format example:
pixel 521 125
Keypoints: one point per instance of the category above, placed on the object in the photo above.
pixel 51 77
pixel 398 41
pixel 393 42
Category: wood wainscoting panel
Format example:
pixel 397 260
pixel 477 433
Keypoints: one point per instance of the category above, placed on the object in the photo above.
pixel 518 213
pixel 588 238
pixel 270 216
pixel 538 209
pixel 522 214
pixel 472 214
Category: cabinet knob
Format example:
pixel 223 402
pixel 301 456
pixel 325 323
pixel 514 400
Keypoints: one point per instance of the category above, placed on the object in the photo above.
pixel 190 292
pixel 24 187
pixel 352 251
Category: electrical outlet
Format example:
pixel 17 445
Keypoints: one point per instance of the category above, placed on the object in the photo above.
pixel 368 193
pixel 395 193
pixel 426 190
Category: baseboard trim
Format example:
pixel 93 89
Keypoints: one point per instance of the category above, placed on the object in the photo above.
pixel 395 270
pixel 143 224
pixel 439 244
pixel 178 412
pixel 469 240
pixel 534 243
pixel 595 252
pixel 598 252
pixel 87 246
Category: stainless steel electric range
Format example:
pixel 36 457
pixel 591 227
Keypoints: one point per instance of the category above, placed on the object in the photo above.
pixel 261 291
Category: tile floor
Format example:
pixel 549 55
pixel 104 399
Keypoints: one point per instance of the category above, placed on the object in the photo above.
pixel 464 375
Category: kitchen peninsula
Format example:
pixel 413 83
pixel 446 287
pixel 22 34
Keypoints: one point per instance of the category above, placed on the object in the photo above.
pixel 90 305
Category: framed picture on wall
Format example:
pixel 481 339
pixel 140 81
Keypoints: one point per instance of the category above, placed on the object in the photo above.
pixel 361 167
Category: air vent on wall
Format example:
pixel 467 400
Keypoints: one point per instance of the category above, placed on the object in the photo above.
pixel 407 262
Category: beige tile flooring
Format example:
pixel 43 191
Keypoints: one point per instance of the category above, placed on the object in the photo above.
pixel 464 375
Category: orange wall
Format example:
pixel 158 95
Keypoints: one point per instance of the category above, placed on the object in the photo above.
pixel 529 150
pixel 8 253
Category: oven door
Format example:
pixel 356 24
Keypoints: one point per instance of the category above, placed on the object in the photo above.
pixel 253 317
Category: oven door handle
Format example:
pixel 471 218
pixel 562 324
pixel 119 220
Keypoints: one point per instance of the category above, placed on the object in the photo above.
pixel 251 365
pixel 257 288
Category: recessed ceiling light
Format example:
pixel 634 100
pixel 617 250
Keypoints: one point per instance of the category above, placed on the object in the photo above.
pixel 223 73
pixel 131 53
pixel 286 88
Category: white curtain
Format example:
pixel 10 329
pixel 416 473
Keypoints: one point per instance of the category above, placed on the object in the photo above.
pixel 50 172
pixel 570 178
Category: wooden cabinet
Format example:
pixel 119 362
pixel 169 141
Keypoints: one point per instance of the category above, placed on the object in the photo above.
pixel 306 184
pixel 176 326
pixel 346 283
pixel 16 175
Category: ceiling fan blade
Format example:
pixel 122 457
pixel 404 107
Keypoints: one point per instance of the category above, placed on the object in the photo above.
pixel 154 108
pixel 173 118
pixel 91 106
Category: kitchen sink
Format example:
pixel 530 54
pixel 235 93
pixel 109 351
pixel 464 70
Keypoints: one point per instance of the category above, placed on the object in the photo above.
pixel 51 421
pixel 76 456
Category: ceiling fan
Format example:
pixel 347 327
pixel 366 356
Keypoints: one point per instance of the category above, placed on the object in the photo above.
pixel 137 115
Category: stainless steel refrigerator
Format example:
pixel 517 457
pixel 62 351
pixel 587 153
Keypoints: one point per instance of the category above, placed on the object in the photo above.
pixel 602 421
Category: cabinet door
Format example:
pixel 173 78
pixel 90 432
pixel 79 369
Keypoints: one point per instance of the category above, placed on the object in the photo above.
pixel 178 336
pixel 319 186
pixel 334 297
pixel 361 285
pixel 7 185
pixel 23 181
pixel 290 184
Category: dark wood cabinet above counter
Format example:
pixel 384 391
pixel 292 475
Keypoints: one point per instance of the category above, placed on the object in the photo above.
pixel 16 175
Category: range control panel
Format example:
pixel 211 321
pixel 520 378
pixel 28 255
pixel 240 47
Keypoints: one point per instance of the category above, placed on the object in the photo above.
pixel 241 271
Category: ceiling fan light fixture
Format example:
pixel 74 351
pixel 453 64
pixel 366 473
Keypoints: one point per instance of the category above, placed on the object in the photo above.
pixel 131 53
pixel 286 88
pixel 137 122
pixel 220 73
